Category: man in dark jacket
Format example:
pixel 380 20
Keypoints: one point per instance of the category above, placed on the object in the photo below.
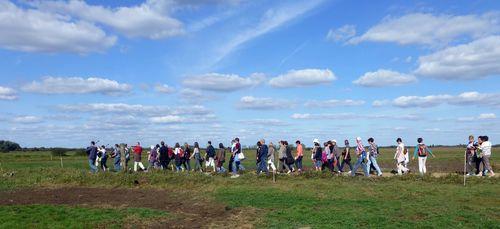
pixel 164 159
pixel 210 156
pixel 92 153
pixel 262 156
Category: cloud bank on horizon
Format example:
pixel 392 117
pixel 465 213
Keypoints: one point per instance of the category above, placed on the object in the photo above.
pixel 183 71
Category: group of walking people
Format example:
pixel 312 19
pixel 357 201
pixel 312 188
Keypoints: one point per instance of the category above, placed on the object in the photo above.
pixel 327 156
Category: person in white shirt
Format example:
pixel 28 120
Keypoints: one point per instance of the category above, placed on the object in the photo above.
pixel 401 157
pixel 485 148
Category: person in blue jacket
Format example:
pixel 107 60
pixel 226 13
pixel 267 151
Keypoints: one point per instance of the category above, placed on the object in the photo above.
pixel 262 157
pixel 92 155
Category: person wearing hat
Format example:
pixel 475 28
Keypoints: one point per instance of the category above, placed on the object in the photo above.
pixel 317 155
pixel 363 157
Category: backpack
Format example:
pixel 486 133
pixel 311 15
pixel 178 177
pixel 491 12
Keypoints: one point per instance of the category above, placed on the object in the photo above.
pixel 422 150
pixel 181 153
pixel 323 157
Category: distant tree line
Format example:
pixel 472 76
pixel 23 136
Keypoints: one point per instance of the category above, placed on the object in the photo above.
pixel 7 146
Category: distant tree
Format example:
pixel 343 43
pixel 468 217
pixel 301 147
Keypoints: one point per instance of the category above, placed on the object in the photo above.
pixel 59 152
pixel 7 146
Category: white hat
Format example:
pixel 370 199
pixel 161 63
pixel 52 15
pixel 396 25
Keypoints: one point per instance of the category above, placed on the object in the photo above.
pixel 358 139
pixel 152 146
pixel 334 140
pixel 316 141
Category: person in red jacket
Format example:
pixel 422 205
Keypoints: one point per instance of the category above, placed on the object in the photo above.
pixel 137 157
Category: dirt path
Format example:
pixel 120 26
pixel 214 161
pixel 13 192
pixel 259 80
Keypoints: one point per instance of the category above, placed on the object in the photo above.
pixel 189 211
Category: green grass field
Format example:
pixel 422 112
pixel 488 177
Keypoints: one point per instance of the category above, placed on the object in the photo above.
pixel 312 199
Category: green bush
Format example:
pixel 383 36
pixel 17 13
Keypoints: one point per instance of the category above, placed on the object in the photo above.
pixel 7 146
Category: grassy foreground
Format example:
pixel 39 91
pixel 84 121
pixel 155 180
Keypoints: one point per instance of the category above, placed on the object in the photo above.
pixel 316 200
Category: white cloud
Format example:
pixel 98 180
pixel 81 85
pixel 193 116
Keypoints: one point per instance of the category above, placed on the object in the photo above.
pixel 380 103
pixel 334 103
pixel 250 102
pixel 384 78
pixel 341 34
pixel 428 29
pixel 32 30
pixel 28 119
pixel 150 19
pixel 463 99
pixel 7 93
pixel 223 82
pixel 76 85
pixel 272 19
pixel 136 109
pixel 168 119
pixel 348 116
pixel 164 88
pixel 264 122
pixel 487 116
pixel 474 60
pixel 302 78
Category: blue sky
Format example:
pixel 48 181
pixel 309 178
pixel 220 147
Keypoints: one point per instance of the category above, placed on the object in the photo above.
pixel 185 71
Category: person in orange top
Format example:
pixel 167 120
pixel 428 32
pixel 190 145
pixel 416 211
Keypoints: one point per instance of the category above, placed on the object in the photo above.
pixel 300 155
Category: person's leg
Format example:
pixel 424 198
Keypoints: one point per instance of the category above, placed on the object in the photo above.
pixel 356 166
pixel 375 164
pixel 135 166
pixel 142 166
pixel 366 167
pixel 300 163
pixel 424 166
pixel 92 166
pixel 487 165
pixel 400 168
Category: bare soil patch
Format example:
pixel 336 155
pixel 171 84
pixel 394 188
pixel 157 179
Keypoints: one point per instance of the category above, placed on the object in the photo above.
pixel 188 211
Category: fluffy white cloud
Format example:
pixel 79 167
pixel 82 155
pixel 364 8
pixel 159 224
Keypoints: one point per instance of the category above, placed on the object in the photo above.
pixel 346 116
pixel 428 29
pixel 476 59
pixel 250 102
pixel 341 34
pixel 28 119
pixel 379 103
pixel 75 85
pixel 150 19
pixel 484 116
pixel 463 99
pixel 264 122
pixel 487 116
pixel 7 93
pixel 136 109
pixel 334 103
pixel 223 82
pixel 384 78
pixel 302 78
pixel 167 119
pixel 32 30
pixel 164 88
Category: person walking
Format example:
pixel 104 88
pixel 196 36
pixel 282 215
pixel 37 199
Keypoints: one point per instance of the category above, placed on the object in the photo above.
pixel 178 154
pixel 282 156
pixel 197 158
pixel 236 150
pixel 317 155
pixel 163 156
pixel 153 157
pixel 220 158
pixel 485 149
pixel 400 157
pixel 126 151
pixel 373 156
pixel 137 157
pixel 335 151
pixel 299 155
pixel 262 157
pixel 92 156
pixel 363 158
pixel 117 158
pixel 186 160
pixel 210 155
pixel 330 156
pixel 422 151
pixel 290 160
pixel 346 157
pixel 270 157
pixel 104 158
pixel 470 154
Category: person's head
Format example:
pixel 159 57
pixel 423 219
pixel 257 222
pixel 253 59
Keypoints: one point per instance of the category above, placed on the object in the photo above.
pixel 316 141
pixel 346 142
pixel 358 139
pixel 162 143
pixel 471 138
pixel 259 144
pixel 485 138
pixel 370 140
pixel 482 139
pixel 126 145
pixel 286 143
pixel 209 142
pixel 116 145
pixel 329 143
pixel 92 143
pixel 334 142
pixel 186 145
pixel 297 142
pixel 420 140
pixel 196 145
pixel 103 147
pixel 271 144
pixel 157 146
pixel 237 139
pixel 325 144
pixel 399 140
pixel 138 143
pixel 221 146
pixel 152 147
pixel 177 145
pixel 233 141
pixel 262 141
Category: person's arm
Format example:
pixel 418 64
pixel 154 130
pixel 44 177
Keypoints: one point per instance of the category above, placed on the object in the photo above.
pixel 430 151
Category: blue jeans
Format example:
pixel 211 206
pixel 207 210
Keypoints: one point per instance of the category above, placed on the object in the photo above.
pixel 93 168
pixel 262 166
pixel 373 161
pixel 117 165
pixel 298 162
pixel 318 163
pixel 236 165
pixel 359 163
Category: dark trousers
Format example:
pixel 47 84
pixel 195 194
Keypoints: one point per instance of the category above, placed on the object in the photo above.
pixel 298 162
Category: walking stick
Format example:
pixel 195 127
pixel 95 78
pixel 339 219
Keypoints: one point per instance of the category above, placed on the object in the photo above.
pixel 465 165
